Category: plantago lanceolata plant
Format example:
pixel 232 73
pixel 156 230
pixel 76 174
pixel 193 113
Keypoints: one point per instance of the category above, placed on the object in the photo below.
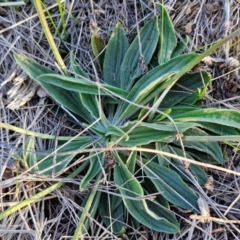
pixel 148 121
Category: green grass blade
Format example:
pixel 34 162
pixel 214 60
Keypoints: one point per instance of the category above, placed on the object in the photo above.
pixel 49 36
pixel 29 157
pixel 87 209
pixel 35 134
pixel 92 210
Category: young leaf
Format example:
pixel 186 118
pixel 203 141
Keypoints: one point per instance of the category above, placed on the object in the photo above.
pixel 180 47
pixel 29 155
pixel 161 116
pixel 98 49
pixel 131 189
pixel 131 67
pixel 113 130
pixel 115 52
pixel 77 68
pixel 168 40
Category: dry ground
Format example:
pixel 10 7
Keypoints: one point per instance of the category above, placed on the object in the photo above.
pixel 24 105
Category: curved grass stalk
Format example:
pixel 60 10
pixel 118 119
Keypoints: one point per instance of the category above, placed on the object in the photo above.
pixel 49 36
pixel 32 133
pixel 78 231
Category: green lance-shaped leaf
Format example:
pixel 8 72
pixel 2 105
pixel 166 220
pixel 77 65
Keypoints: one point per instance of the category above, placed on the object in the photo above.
pixel 96 163
pixel 224 117
pixel 89 101
pixel 168 40
pixel 219 129
pixel 196 170
pixel 159 205
pixel 186 86
pixel 113 219
pixel 98 48
pixel 149 83
pixel 69 99
pixel 163 160
pixel 144 133
pixel 132 63
pixel 211 149
pixel 150 189
pixel 171 186
pixel 91 104
pixel 115 52
pixel 162 211
pixel 116 131
pixel 131 161
pixel 80 85
pixel 132 194
pixel 46 164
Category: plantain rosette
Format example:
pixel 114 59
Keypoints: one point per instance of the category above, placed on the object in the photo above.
pixel 147 112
